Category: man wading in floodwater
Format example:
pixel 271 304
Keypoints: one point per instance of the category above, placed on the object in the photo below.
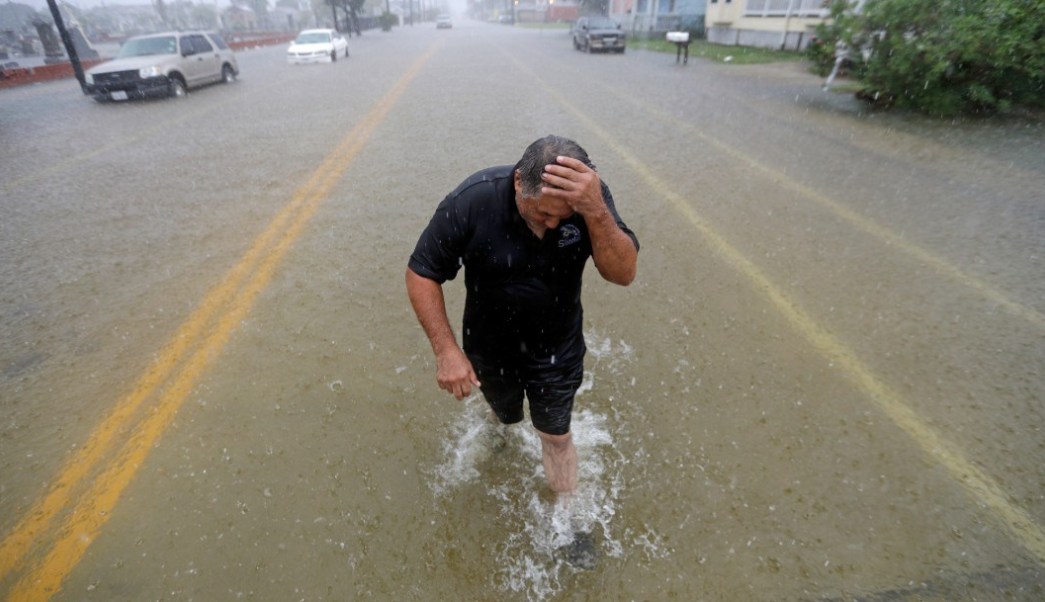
pixel 523 235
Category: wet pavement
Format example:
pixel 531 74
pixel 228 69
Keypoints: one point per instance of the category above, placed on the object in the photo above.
pixel 825 384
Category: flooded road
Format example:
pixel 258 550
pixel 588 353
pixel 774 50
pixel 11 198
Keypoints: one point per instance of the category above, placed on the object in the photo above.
pixel 825 384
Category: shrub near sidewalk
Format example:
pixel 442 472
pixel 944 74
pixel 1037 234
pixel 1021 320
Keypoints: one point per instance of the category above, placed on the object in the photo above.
pixel 945 57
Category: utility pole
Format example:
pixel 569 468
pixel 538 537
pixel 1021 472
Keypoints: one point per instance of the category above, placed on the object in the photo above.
pixel 70 49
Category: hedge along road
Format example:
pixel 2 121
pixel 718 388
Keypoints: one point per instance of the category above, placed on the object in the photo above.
pixel 825 383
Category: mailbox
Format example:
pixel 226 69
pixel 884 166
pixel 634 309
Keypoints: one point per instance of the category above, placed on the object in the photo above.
pixel 681 41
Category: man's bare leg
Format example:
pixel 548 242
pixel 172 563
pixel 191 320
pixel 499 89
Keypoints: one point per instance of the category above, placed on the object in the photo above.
pixel 560 466
pixel 560 462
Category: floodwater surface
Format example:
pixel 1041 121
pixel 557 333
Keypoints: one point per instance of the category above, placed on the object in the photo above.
pixel 825 384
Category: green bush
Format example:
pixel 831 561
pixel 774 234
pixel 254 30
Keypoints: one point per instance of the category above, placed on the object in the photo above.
pixel 821 52
pixel 821 48
pixel 946 57
pixel 387 20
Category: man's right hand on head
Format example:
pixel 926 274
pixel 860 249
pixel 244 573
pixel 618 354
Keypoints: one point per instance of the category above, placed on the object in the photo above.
pixel 455 373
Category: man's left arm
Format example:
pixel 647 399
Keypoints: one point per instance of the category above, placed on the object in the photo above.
pixel 613 251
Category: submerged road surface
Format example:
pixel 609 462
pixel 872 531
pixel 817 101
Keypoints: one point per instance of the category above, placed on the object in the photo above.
pixel 825 384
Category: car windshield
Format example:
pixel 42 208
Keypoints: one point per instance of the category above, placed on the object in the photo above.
pixel 148 47
pixel 602 24
pixel 315 37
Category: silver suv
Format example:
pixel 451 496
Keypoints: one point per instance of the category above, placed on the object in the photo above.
pixel 163 64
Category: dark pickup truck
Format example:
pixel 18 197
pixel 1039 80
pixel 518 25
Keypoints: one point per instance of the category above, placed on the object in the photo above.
pixel 598 33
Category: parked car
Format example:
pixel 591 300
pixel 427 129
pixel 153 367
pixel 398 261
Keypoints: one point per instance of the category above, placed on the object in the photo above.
pixel 443 22
pixel 506 20
pixel 163 64
pixel 598 33
pixel 317 46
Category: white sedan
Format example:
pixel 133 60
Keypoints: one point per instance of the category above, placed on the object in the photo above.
pixel 317 46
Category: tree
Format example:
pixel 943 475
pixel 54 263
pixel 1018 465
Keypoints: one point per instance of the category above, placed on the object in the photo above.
pixel 351 10
pixel 354 8
pixel 840 26
pixel 947 57
pixel 204 16
pixel 161 9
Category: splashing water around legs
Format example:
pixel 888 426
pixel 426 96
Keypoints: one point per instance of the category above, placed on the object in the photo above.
pixel 544 534
pixel 559 457
pixel 493 492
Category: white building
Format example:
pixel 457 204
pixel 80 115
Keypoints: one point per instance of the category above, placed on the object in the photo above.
pixel 764 23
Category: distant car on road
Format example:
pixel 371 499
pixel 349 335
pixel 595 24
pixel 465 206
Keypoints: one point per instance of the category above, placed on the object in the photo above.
pixel 317 46
pixel 506 20
pixel 598 33
pixel 443 22
pixel 163 64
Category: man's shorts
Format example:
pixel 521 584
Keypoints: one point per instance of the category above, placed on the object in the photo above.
pixel 550 391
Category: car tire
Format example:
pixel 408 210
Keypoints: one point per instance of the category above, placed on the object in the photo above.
pixel 176 87
pixel 228 75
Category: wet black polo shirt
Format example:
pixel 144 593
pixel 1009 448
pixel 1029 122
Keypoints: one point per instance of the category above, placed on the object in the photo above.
pixel 523 300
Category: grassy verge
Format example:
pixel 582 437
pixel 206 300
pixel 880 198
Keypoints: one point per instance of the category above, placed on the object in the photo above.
pixel 717 52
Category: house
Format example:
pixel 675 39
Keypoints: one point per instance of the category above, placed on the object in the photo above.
pixel 657 16
pixel 240 17
pixel 764 23
pixel 562 11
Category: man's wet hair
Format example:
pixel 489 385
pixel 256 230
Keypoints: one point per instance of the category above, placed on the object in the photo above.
pixel 543 152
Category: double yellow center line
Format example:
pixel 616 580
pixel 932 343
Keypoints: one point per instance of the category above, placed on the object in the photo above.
pixel 179 366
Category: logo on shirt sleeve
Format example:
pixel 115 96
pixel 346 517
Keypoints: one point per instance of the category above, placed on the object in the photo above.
pixel 568 235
